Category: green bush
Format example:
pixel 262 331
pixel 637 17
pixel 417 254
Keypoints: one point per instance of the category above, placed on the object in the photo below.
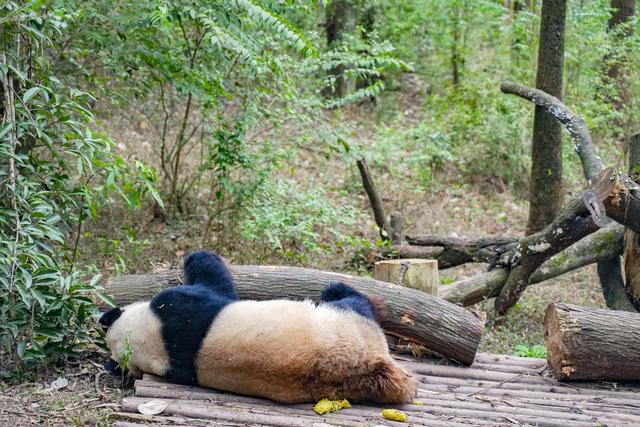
pixel 293 222
pixel 55 174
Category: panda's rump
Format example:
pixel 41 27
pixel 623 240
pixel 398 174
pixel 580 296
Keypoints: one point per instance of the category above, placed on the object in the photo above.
pixel 277 349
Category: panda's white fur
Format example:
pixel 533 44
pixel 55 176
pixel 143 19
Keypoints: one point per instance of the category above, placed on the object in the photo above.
pixel 283 350
pixel 137 334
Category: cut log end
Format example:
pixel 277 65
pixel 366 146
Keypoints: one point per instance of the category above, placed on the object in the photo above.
pixel 421 274
pixel 553 337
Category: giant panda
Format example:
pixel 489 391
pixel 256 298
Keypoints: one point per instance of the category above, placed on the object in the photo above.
pixel 288 351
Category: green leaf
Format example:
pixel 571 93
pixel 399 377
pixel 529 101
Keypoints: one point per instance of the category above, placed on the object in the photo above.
pixel 30 93
pixel 22 346
pixel 5 129
pixel 107 299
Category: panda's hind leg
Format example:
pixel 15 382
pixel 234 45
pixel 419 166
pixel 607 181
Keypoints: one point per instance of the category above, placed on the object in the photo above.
pixel 208 270
pixel 346 297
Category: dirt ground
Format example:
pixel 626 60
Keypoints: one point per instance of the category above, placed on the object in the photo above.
pixel 80 393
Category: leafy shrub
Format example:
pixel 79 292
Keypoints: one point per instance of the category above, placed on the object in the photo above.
pixel 55 174
pixel 294 222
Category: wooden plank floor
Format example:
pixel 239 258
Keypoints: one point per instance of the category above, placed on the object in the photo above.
pixel 496 390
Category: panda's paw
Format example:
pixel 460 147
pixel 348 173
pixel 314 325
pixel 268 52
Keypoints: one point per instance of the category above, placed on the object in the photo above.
pixel 112 367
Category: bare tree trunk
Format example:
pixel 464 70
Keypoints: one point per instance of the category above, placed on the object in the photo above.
pixel 520 5
pixel 376 201
pixel 340 20
pixel 458 42
pixel 546 192
pixel 622 12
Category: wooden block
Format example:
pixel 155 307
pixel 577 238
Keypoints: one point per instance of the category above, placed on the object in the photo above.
pixel 421 274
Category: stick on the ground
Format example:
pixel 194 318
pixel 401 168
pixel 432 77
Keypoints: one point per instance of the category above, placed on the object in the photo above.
pixel 440 326
pixel 592 344
pixel 375 200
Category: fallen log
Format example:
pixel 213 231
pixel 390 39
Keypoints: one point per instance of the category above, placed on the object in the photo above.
pixel 411 251
pixel 611 192
pixel 622 198
pixel 412 315
pixel 592 344
pixel 457 251
pixel 572 224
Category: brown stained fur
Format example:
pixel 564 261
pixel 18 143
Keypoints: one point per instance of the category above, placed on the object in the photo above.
pixel 294 352
pixel 379 381
pixel 379 308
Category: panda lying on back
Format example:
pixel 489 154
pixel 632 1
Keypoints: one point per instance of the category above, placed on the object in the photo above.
pixel 283 350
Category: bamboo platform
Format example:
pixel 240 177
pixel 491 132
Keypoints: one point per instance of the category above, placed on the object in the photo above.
pixel 495 390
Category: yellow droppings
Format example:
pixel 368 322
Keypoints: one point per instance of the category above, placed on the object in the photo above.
pixel 325 406
pixel 417 402
pixel 394 415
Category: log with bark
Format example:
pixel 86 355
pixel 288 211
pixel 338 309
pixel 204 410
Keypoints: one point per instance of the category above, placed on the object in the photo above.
pixel 576 220
pixel 412 315
pixel 602 245
pixel 456 251
pixel 572 224
pixel 631 239
pixel 611 191
pixel 592 344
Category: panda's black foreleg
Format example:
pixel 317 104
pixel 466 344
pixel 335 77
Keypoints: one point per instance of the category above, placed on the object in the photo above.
pixel 345 297
pixel 208 270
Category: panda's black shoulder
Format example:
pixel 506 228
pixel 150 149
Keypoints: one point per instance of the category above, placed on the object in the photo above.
pixel 186 313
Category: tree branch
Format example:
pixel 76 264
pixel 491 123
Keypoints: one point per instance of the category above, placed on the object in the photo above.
pixel 375 200
pixel 576 126
pixel 604 244
pixel 456 251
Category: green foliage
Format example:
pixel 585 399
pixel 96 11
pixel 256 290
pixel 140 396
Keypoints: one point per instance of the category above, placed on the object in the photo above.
pixel 536 351
pixel 55 173
pixel 294 222
pixel 364 61
pixel 125 355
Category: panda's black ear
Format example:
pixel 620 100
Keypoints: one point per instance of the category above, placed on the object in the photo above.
pixel 110 316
